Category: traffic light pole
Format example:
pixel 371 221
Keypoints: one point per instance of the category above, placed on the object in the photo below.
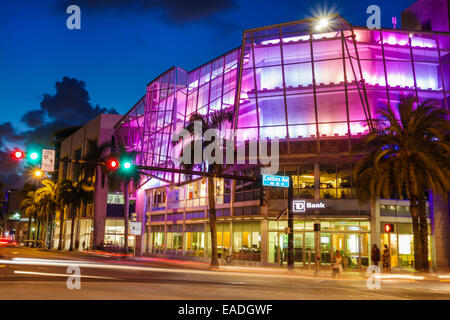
pixel 290 262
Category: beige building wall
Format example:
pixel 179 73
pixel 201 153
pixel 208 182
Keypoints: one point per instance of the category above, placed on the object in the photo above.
pixel 101 129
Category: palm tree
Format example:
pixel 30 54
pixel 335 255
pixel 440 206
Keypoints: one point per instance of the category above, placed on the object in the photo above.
pixel 408 157
pixel 122 179
pixel 29 206
pixel 214 122
pixel 73 195
pixel 94 172
pixel 47 196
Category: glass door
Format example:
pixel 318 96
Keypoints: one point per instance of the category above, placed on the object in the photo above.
pixel 325 247
pixel 298 247
pixel 353 250
pixel 309 248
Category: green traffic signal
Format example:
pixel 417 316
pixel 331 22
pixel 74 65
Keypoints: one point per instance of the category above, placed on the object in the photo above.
pixel 34 155
pixel 127 165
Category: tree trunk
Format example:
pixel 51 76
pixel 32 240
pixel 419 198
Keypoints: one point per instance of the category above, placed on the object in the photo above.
pixel 422 210
pixel 38 230
pixel 61 230
pixel 72 228
pixel 125 215
pixel 413 210
pixel 212 222
pixel 51 232
pixel 29 230
pixel 46 229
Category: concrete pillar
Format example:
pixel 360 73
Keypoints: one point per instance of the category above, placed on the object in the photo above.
pixel 140 213
pixel 264 241
pixel 440 224
pixel 100 204
pixel 374 226
pixel 316 182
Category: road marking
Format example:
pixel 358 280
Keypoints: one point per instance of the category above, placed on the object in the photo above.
pixel 237 282
pixel 60 275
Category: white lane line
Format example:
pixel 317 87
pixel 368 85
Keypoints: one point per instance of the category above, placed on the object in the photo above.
pixel 60 275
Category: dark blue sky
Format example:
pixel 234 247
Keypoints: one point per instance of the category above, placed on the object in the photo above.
pixel 125 44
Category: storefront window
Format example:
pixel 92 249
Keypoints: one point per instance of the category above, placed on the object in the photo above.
pixel 328 181
pixel 344 176
pixel 387 210
pixel 246 241
pixel 306 181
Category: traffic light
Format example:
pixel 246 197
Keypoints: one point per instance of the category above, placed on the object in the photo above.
pixel 112 164
pixel 262 192
pixel 33 156
pixel 30 156
pixel 126 165
pixel 316 226
pixel 389 227
pixel 17 154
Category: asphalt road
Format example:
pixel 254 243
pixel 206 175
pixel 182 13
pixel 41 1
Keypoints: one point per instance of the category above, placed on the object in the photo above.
pixel 33 274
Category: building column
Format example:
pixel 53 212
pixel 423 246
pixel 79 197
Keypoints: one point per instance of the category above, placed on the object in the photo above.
pixel 440 223
pixel 140 213
pixel 374 226
pixel 264 241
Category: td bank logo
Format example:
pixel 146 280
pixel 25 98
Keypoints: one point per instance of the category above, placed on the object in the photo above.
pixel 299 205
pixel 302 205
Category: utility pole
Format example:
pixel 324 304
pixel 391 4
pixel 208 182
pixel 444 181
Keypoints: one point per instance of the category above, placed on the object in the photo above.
pixel 290 262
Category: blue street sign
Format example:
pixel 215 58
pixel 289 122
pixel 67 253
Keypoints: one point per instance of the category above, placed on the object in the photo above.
pixel 275 181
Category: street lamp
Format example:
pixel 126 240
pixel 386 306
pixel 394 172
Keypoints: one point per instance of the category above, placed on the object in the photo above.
pixel 37 173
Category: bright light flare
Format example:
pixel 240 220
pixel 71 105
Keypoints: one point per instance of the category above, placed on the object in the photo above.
pixel 322 24
pixel 37 173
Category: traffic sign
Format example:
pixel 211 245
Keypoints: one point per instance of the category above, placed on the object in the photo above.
pixel 48 160
pixel 135 228
pixel 275 181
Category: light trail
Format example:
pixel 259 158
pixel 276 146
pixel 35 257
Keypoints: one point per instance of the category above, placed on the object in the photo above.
pixel 61 275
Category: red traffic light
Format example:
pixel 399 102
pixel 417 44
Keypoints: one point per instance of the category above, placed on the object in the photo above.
pixel 112 164
pixel 389 228
pixel 18 154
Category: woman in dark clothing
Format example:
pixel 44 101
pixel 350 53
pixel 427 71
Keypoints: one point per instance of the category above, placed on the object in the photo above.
pixel 375 255
pixel 386 259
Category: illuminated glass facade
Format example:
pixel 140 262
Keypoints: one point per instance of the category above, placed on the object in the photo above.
pixel 317 92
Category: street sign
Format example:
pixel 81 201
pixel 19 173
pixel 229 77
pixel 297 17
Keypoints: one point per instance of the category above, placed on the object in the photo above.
pixel 48 160
pixel 134 228
pixel 275 181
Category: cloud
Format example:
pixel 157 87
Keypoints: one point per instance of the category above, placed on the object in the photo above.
pixel 178 11
pixel 9 134
pixel 68 106
pixel 34 118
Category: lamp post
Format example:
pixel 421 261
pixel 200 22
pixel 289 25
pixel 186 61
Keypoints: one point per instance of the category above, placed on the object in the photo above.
pixel 290 262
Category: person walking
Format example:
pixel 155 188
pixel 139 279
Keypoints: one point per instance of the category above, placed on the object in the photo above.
pixel 386 258
pixel 337 265
pixel 375 255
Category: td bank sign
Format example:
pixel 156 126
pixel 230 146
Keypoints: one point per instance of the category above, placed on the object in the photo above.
pixel 303 205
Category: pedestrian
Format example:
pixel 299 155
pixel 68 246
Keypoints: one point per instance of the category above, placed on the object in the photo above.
pixel 337 265
pixel 386 258
pixel 375 255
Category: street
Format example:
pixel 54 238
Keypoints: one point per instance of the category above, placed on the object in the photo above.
pixel 27 273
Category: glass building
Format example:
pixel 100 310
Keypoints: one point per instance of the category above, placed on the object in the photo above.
pixel 318 92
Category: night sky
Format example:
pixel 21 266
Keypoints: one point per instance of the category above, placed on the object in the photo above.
pixel 122 45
